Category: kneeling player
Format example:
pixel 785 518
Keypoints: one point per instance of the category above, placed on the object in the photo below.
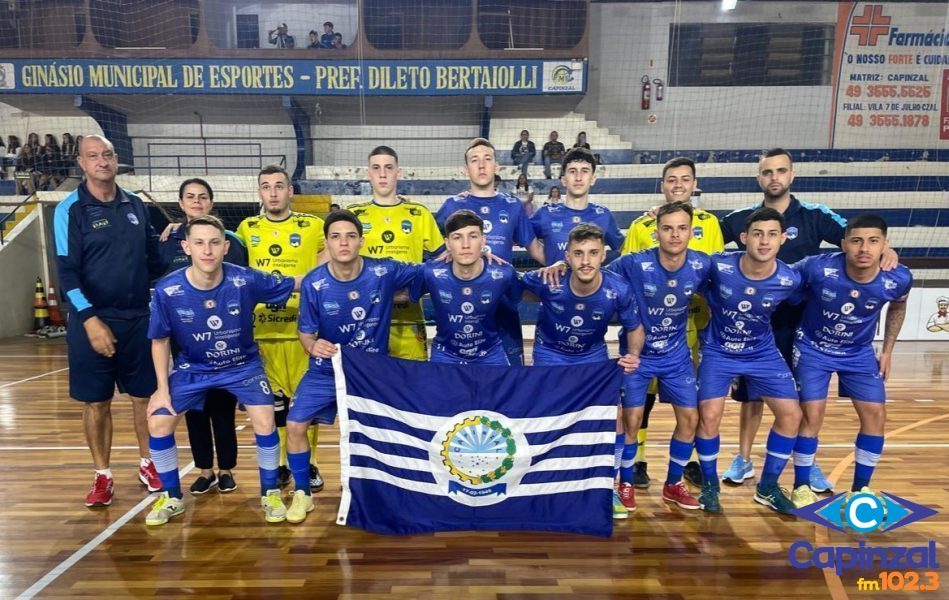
pixel 345 301
pixel 573 316
pixel 208 309
pixel 744 288
pixel 664 280
pixel 845 294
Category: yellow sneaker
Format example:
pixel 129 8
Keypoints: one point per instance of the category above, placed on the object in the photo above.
pixel 164 509
pixel 802 496
pixel 274 509
pixel 302 503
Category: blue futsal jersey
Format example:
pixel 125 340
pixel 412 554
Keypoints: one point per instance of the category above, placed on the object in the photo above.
pixel 214 329
pixel 662 296
pixel 354 313
pixel 841 315
pixel 741 308
pixel 505 223
pixel 572 328
pixel 553 224
pixel 466 328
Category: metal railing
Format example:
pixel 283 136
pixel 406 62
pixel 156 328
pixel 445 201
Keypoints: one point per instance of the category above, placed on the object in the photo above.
pixel 12 215
pixel 176 162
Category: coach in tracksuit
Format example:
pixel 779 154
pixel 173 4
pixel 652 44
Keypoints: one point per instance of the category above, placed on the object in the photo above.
pixel 807 226
pixel 106 253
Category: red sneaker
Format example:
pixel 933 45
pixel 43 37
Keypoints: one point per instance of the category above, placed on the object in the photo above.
pixel 678 494
pixel 102 491
pixel 627 496
pixel 149 477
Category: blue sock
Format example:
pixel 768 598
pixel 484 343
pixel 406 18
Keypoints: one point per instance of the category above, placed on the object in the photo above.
pixel 679 454
pixel 268 454
pixel 707 449
pixel 779 449
pixel 626 464
pixel 804 450
pixel 618 454
pixel 300 467
pixel 165 456
pixel 869 448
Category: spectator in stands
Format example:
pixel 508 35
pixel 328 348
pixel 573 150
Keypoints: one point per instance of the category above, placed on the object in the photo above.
pixel 26 171
pixel 497 183
pixel 48 139
pixel 13 146
pixel 582 141
pixel 49 165
pixel 525 193
pixel 338 41
pixel 334 207
pixel 69 148
pixel 523 152
pixel 78 143
pixel 33 139
pixel 553 197
pixel 326 40
pixel 280 38
pixel 552 152
pixel 314 39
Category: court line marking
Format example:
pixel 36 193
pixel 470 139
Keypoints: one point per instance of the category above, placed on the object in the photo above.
pixel 13 383
pixel 821 533
pixel 92 544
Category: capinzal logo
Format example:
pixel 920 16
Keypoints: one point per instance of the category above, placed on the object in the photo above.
pixel 562 74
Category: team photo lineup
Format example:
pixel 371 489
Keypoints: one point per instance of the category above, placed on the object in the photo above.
pixel 481 299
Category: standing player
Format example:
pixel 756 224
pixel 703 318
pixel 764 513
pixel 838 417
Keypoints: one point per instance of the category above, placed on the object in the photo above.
pixel 207 309
pixel 573 317
pixel 505 224
pixel 846 292
pixel 287 243
pixel 553 223
pixel 664 281
pixel 807 226
pixel 678 185
pixel 466 295
pixel 744 288
pixel 394 227
pixel 345 301
pixel 106 254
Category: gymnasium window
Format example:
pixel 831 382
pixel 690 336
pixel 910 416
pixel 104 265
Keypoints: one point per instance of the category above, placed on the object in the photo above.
pixel 750 54
pixel 542 24
pixel 151 24
pixel 417 24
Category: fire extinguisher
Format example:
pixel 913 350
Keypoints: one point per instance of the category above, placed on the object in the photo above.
pixel 660 88
pixel 647 90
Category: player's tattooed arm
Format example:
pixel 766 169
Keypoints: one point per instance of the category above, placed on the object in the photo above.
pixel 161 357
pixel 536 251
pixel 895 314
pixel 635 340
pixel 317 347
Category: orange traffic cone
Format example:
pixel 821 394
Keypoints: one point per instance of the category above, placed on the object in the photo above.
pixel 55 315
pixel 40 307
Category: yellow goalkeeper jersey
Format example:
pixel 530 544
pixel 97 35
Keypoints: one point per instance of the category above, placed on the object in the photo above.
pixel 288 247
pixel 404 231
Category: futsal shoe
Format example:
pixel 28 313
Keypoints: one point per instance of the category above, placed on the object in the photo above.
pixel 708 499
pixel 226 483
pixel 316 480
pixel 627 496
pixel 619 511
pixel 203 485
pixel 678 494
pixel 302 504
pixel 103 488
pixel 283 476
pixel 274 509
pixel 165 508
pixel 803 496
pixel 775 498
pixel 818 483
pixel 640 476
pixel 740 470
pixel 693 473
pixel 148 475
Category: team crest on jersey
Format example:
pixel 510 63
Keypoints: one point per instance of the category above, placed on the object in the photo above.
pixel 331 308
pixel 697 233
pixel 688 288
pixel 440 273
pixel 785 281
pixel 725 292
pixel 353 295
pixel 646 266
pixel 597 315
pixel 829 272
pixel 672 283
pixel 889 284
pixel 320 284
pixel 486 297
pixel 406 227
pixel 749 291
pixel 580 306
pixel 209 304
pixel 496 274
pixel 380 270
pixel 444 296
pixel 238 281
pixel 792 233
pixel 767 301
pixel 295 240
pixel 854 293
pixel 649 290
pixel 100 223
pixel 871 303
pixel 556 226
pixel 503 217
pixel 185 315
pixel 173 290
pixel 132 218
pixel 233 308
pixel 466 291
pixel 725 268
pixel 744 306
pixel 375 297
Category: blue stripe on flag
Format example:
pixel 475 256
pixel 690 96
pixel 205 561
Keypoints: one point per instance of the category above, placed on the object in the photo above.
pixel 391 424
pixel 567 475
pixel 388 448
pixel 365 461
pixel 574 451
pixel 546 437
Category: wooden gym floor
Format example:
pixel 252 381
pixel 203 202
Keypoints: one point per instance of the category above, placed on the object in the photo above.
pixel 54 547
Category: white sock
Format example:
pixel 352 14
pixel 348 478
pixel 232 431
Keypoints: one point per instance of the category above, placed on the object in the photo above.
pixel 106 471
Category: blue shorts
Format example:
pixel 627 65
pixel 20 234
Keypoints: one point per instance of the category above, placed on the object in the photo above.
pixel 545 357
pixel 189 389
pixel 93 377
pixel 495 356
pixel 315 399
pixel 784 322
pixel 512 336
pixel 766 374
pixel 859 376
pixel 676 376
